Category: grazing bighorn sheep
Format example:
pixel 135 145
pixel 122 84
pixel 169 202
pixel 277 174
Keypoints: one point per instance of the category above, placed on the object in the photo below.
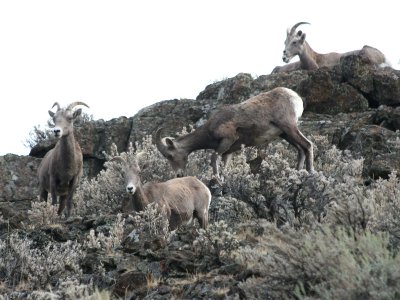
pixel 296 44
pixel 61 168
pixel 255 121
pixel 181 199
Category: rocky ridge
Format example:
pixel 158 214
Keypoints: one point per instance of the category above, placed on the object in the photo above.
pixel 356 105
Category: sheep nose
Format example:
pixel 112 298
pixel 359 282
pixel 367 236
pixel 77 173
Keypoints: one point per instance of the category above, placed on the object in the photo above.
pixel 130 189
pixel 57 131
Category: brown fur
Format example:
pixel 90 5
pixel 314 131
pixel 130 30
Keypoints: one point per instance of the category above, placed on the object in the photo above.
pixel 295 44
pixel 253 122
pixel 181 199
pixel 61 168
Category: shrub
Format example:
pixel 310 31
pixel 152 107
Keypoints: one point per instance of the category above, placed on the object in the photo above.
pixel 385 196
pixel 22 263
pixel 230 210
pixel 327 263
pixel 105 193
pixel 42 213
pixel 240 182
pixel 107 242
pixel 301 199
pixel 215 242
pixel 38 135
pixel 149 224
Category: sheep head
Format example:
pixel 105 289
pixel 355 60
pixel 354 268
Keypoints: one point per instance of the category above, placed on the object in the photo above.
pixel 63 118
pixel 294 43
pixel 173 152
pixel 131 173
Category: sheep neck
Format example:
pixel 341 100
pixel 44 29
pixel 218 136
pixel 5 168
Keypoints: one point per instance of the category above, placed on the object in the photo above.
pixel 140 200
pixel 308 58
pixel 67 151
pixel 196 140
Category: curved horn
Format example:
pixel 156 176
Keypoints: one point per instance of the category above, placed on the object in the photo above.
pixel 73 104
pixel 295 26
pixel 56 104
pixel 160 146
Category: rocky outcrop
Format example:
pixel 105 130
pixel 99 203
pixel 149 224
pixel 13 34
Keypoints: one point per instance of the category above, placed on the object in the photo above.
pixel 354 104
pixel 18 178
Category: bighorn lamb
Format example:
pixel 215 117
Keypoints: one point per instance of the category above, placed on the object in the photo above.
pixel 181 199
pixel 61 167
pixel 296 44
pixel 255 121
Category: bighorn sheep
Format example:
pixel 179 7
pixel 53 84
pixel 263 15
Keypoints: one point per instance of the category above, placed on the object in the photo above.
pixel 255 121
pixel 296 44
pixel 61 168
pixel 181 199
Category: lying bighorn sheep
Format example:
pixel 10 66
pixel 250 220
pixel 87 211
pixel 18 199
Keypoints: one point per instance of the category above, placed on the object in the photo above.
pixel 255 121
pixel 296 44
pixel 61 168
pixel 181 199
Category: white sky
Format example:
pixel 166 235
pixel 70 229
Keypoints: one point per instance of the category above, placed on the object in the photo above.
pixel 120 56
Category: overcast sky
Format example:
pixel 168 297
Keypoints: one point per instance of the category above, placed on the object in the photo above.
pixel 120 56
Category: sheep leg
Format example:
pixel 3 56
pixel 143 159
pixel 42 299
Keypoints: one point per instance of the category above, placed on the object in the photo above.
pixel 226 158
pixel 223 147
pixel 301 156
pixel 215 163
pixel 72 187
pixel 295 137
pixel 69 205
pixel 203 220
pixel 62 204
pixel 53 192
pixel 43 195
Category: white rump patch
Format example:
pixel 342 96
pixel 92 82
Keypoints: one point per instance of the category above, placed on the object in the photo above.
pixel 208 194
pixel 297 102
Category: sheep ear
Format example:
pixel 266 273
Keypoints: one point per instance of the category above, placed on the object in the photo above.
pixel 170 143
pixel 51 113
pixel 77 112
pixel 135 165
pixel 302 38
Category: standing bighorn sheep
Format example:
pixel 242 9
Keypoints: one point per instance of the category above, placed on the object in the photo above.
pixel 296 44
pixel 61 168
pixel 181 199
pixel 255 121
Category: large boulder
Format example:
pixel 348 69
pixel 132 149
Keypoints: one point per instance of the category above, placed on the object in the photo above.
pixel 323 94
pixel 171 115
pixel 18 177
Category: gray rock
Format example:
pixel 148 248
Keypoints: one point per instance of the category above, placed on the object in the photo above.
pixel 341 103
